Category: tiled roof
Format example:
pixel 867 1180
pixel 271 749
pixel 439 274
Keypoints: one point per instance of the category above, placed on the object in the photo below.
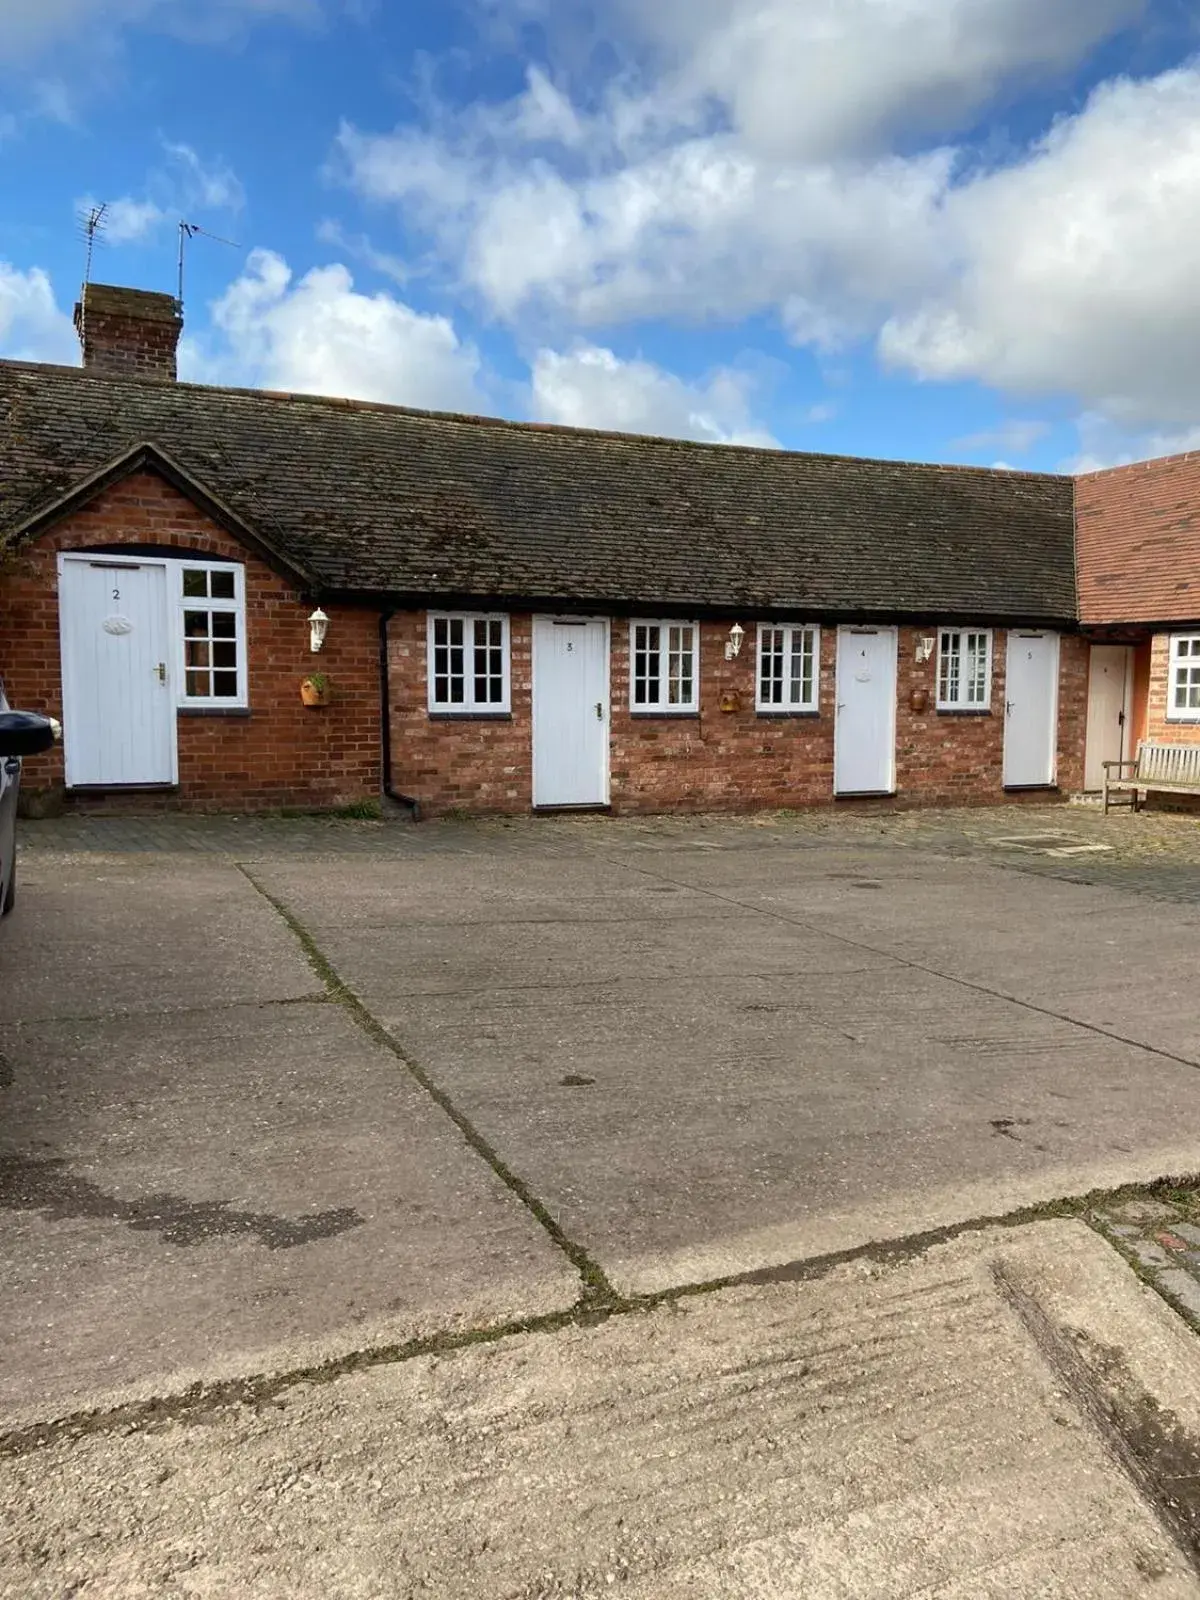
pixel 1139 542
pixel 379 500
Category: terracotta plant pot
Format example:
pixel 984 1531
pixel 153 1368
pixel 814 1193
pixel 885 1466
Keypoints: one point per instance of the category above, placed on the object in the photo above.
pixel 918 701
pixel 314 692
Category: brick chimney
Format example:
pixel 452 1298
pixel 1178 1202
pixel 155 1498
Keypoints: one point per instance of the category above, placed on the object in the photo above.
pixel 128 333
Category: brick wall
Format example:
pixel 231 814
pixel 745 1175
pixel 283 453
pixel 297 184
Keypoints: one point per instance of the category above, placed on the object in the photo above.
pixel 128 333
pixel 1157 725
pixel 720 759
pixel 477 764
pixel 282 754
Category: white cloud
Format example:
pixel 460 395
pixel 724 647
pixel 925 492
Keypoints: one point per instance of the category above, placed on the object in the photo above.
pixel 361 249
pixel 32 328
pixel 819 79
pixel 126 221
pixel 1017 435
pixel 28 27
pixel 590 387
pixel 1077 268
pixel 199 187
pixel 739 164
pixel 318 335
pixel 1103 444
pixel 698 229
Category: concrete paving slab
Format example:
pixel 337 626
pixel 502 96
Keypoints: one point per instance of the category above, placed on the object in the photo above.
pixel 382 964
pixel 467 889
pixel 902 1432
pixel 696 1098
pixel 96 936
pixel 730 1124
pixel 239 1190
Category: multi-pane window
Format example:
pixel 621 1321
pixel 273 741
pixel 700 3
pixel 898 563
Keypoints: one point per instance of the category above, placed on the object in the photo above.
pixel 213 628
pixel 789 662
pixel 468 663
pixel 964 669
pixel 664 666
pixel 1184 701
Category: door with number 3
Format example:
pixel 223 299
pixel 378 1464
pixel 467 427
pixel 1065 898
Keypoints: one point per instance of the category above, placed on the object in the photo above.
pixel 570 712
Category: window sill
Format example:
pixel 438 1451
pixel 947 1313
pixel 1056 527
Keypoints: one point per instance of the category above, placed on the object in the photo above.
pixel 774 714
pixel 1182 722
pixel 655 713
pixel 470 716
pixel 964 711
pixel 212 711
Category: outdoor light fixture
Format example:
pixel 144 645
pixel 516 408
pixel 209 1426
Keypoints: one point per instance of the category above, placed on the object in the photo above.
pixel 318 627
pixel 733 645
pixel 924 650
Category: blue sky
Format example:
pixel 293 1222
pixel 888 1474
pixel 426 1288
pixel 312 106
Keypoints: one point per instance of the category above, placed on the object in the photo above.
pixel 957 230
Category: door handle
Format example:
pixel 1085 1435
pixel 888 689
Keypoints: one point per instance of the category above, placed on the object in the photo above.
pixel 161 669
pixel 1008 708
pixel 600 710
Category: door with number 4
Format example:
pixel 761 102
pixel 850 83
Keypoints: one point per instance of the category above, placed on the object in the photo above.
pixel 570 711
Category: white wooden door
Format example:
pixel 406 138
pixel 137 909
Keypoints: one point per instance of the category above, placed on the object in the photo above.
pixel 570 712
pixel 1031 709
pixel 1110 683
pixel 864 743
pixel 118 703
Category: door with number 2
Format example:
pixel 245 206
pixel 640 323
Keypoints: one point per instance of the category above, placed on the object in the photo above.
pixel 118 704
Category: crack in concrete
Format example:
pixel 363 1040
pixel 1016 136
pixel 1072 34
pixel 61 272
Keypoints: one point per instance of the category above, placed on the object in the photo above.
pixel 200 1403
pixel 49 1187
pixel 597 1292
pixel 1148 1443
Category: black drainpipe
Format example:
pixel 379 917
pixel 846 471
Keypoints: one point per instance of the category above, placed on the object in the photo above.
pixel 385 723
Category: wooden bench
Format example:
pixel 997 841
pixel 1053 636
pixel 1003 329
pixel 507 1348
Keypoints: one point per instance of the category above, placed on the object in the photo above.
pixel 1172 768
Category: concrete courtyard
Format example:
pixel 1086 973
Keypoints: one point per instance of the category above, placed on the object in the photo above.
pixel 280 1095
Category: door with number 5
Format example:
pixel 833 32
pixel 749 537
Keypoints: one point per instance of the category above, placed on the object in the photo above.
pixel 1031 709
pixel 570 711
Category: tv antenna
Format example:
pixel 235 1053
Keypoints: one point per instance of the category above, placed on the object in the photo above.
pixel 92 223
pixel 187 232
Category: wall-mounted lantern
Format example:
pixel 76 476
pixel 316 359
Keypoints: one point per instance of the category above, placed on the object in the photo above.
pixel 925 649
pixel 733 645
pixel 318 627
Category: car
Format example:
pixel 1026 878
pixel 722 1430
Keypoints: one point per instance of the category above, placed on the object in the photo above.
pixel 22 733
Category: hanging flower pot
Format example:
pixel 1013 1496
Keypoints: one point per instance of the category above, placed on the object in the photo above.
pixel 314 690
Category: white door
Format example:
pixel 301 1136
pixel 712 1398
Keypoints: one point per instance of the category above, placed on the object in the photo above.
pixel 118 705
pixel 1031 710
pixel 1110 682
pixel 570 712
pixel 864 744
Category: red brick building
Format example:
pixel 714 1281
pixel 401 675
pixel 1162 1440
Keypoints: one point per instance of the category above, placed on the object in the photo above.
pixel 518 616
pixel 1138 541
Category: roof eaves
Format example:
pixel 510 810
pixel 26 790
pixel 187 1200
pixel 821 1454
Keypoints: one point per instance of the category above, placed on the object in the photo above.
pixel 147 456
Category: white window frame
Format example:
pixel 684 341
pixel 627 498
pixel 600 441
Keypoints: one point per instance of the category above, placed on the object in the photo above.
pixel 792 633
pixel 961 702
pixel 1175 662
pixel 659 707
pixel 236 606
pixel 468 706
